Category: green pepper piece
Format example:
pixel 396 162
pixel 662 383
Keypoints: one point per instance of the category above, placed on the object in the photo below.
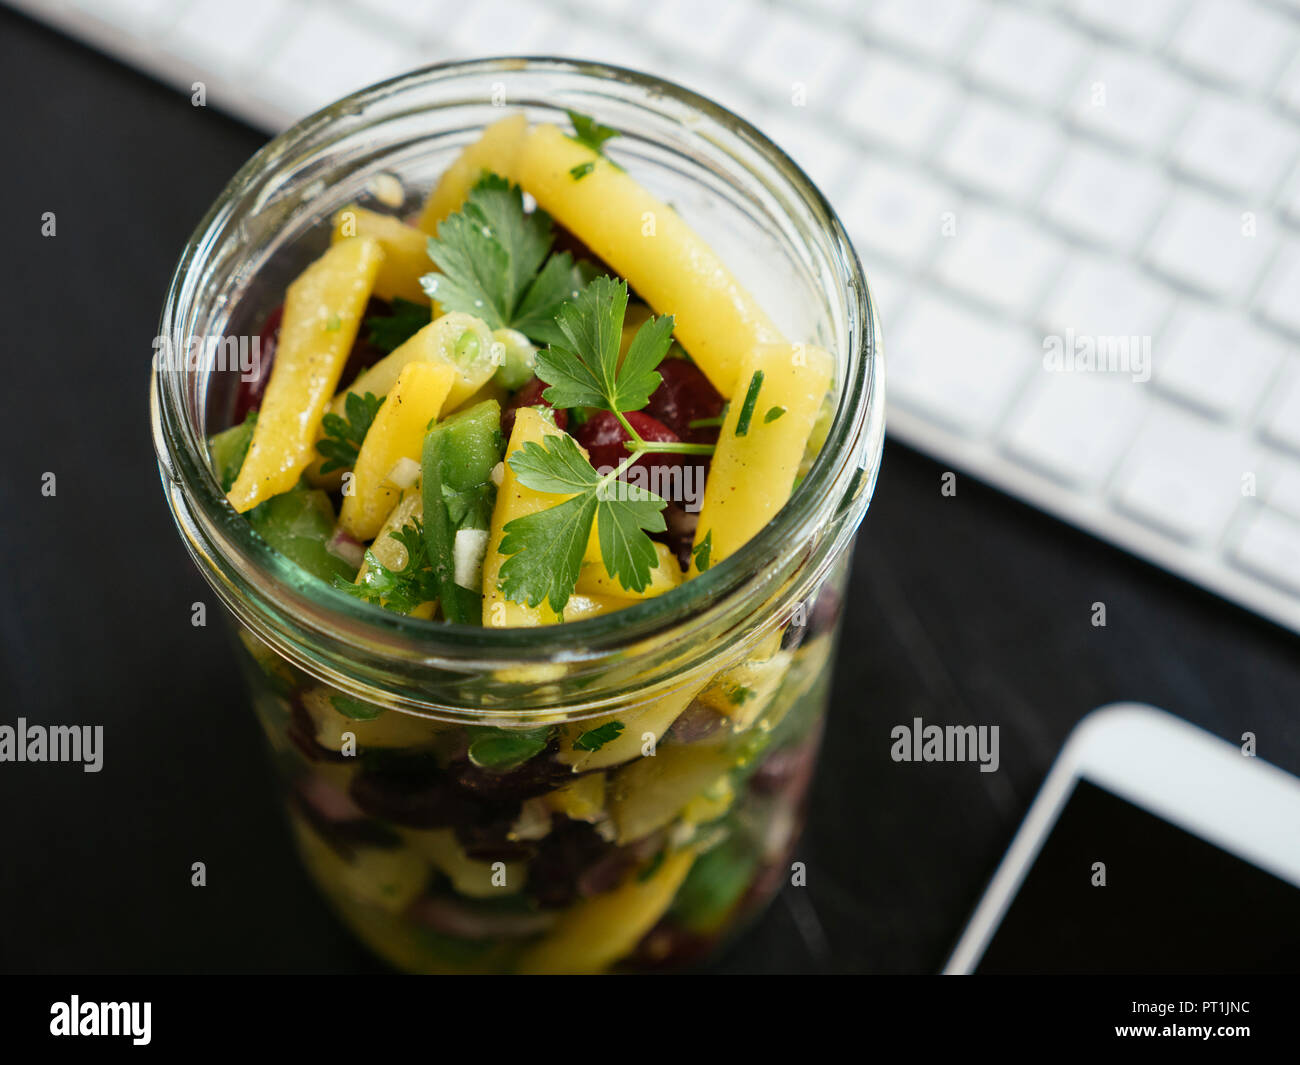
pixel 228 449
pixel 298 523
pixel 457 493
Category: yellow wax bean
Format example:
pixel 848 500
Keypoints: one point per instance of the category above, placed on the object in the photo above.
pixel 753 473
pixel 397 433
pixel 496 151
pixel 406 257
pixel 645 241
pixel 322 311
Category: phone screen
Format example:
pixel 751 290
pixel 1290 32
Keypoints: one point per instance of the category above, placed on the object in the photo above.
pixel 1171 902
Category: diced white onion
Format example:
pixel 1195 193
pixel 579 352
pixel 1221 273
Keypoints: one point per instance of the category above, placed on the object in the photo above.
pixel 343 546
pixel 468 553
pixel 405 472
pixel 498 473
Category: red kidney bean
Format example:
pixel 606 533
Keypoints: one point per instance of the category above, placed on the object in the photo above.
pixel 685 395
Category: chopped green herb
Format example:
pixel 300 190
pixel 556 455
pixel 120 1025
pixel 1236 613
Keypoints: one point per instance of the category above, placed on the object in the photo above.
pixel 772 414
pixel 343 436
pixel 596 738
pixel 401 590
pixel 739 695
pixel 751 401
pixel 355 708
pixel 546 547
pixel 581 170
pixel 492 260
pixel 708 423
pixel 582 365
pixel 701 551
pixel 501 749
pixel 389 332
pixel 590 133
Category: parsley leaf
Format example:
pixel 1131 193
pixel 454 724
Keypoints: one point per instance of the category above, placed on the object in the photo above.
pixel 582 365
pixel 389 332
pixel 343 436
pixel 702 550
pixel 751 400
pixel 596 738
pixel 401 590
pixel 546 547
pixel 590 133
pixel 492 260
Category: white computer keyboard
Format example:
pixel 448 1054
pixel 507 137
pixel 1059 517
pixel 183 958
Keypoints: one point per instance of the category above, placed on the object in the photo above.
pixel 1116 171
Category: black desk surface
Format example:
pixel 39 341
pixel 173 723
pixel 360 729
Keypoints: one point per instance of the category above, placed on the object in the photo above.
pixel 973 609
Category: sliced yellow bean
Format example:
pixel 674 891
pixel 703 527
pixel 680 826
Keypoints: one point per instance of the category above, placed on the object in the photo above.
pixel 647 242
pixel 594 579
pixel 322 311
pixel 397 433
pixel 406 258
pixel 596 932
pixel 753 473
pixel 495 151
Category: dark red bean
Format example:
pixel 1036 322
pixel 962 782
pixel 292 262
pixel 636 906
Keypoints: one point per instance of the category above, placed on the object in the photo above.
pixel 536 776
pixel 606 440
pixel 530 396
pixel 572 848
pixel 685 395
pixel 413 800
pixel 696 722
pixel 248 394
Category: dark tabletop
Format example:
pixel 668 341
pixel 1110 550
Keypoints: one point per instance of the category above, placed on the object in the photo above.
pixel 966 610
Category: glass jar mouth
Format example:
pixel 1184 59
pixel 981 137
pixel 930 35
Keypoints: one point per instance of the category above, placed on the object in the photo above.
pixel 255 580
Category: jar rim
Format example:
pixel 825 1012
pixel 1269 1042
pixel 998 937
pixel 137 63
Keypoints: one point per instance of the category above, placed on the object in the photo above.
pixel 237 562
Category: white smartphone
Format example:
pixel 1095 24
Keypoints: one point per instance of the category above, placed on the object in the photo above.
pixel 1152 847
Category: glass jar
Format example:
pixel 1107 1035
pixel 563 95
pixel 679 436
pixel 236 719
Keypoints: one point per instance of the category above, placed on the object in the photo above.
pixel 443 781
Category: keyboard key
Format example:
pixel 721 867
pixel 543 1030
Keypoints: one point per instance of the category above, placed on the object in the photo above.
pixel 1129 99
pixel 1282 423
pixel 797 61
pixel 1269 547
pixel 1283 491
pixel 1235 145
pixel 999 151
pixel 1206 244
pixel 896 212
pixel 1216 361
pixel 1025 55
pixel 1183 476
pixel 1105 298
pixel 1280 294
pixel 1145 24
pixel 998 258
pixel 222 37
pixel 1100 197
pixel 824 158
pixel 1288 89
pixel 704 28
pixel 507 27
pixel 326 56
pixel 1235 43
pixel 956 367
pixel 934 28
pixel 897 105
pixel 1075 426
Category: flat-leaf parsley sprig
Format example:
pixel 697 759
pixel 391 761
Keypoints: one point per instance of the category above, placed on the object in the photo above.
pixel 583 369
pixel 494 261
